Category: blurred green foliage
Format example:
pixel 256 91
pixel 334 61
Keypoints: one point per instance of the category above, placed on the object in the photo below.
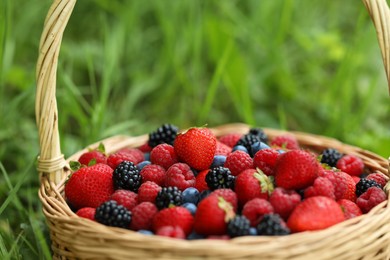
pixel 126 67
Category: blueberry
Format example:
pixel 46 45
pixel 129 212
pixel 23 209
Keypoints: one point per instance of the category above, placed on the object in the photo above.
pixel 191 195
pixel 143 164
pixel 258 146
pixel 147 156
pixel 252 231
pixel 218 160
pixel 194 236
pixel 191 207
pixel 145 232
pixel 240 148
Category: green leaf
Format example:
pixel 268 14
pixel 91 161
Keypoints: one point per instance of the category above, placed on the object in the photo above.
pixel 74 165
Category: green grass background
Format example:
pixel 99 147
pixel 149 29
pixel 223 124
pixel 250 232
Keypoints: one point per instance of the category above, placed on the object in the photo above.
pixel 126 67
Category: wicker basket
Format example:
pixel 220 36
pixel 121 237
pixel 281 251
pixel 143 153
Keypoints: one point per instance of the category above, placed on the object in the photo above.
pixel 364 237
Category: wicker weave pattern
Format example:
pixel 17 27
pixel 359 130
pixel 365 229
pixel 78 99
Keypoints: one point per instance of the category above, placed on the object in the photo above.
pixel 364 237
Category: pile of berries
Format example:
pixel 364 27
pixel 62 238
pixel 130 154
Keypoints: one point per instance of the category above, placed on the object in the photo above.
pixel 193 185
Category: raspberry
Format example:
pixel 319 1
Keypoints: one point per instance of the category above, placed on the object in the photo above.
pixel 285 141
pixel 180 175
pixel 238 161
pixel 115 159
pixel 230 139
pixel 126 176
pixel 321 187
pixel 247 141
pixel 142 217
pixel 219 178
pixel 260 134
pixel 350 208
pixel 284 201
pixel 351 164
pixel 97 156
pixel 255 209
pixel 379 177
pixel 164 134
pixel 222 149
pixel 136 153
pixel 364 184
pixel 163 155
pixel 200 183
pixel 148 191
pixel 111 214
pixel 238 226
pixel 168 196
pixel 344 186
pixel 330 156
pixel 154 173
pixel 145 148
pixel 174 216
pixel 272 225
pixel 86 212
pixel 126 198
pixel 229 195
pixel 171 231
pixel 265 160
pixel 372 197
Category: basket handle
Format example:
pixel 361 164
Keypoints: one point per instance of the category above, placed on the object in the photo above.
pixel 380 15
pixel 51 161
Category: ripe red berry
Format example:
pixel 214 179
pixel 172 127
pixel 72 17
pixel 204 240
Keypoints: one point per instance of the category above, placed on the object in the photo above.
pixel 196 147
pixel 142 216
pixel 230 139
pixel 97 156
pixel 350 208
pixel 180 175
pixel 222 149
pixel 255 209
pixel 296 169
pixel 229 195
pixel 265 160
pixel 321 187
pixel 87 212
pixel 379 177
pixel 238 161
pixel 371 198
pixel 285 141
pixel 145 148
pixel 200 182
pixel 350 164
pixel 126 198
pixel 174 216
pixel 148 191
pixel 344 186
pixel 163 155
pixel 154 173
pixel 171 231
pixel 284 201
pixel 115 159
pixel 89 186
pixel 136 153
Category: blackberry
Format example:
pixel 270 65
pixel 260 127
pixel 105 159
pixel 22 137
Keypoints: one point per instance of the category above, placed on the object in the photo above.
pixel 260 133
pixel 330 156
pixel 127 176
pixel 238 226
pixel 363 185
pixel 111 214
pixel 219 178
pixel 164 134
pixel 247 141
pixel 168 196
pixel 272 225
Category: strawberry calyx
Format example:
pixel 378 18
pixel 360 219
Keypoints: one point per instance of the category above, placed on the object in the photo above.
pixel 266 183
pixel 227 208
pixel 75 165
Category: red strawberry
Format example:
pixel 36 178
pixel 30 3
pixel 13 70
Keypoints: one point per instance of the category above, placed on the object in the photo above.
pixel 95 156
pixel 145 148
pixel 212 216
pixel 171 231
pixel 89 186
pixel 255 209
pixel 222 149
pixel 238 161
pixel 230 139
pixel 87 212
pixel 154 173
pixel 379 177
pixel 284 201
pixel 372 197
pixel 180 175
pixel 142 216
pixel 115 159
pixel 200 183
pixel 265 160
pixel 350 164
pixel 126 198
pixel 196 147
pixel 148 192
pixel 137 154
pixel 252 184
pixel 350 208
pixel 315 213
pixel 229 195
pixel 321 187
pixel 163 155
pixel 296 169
pixel 174 216
pixel 285 141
